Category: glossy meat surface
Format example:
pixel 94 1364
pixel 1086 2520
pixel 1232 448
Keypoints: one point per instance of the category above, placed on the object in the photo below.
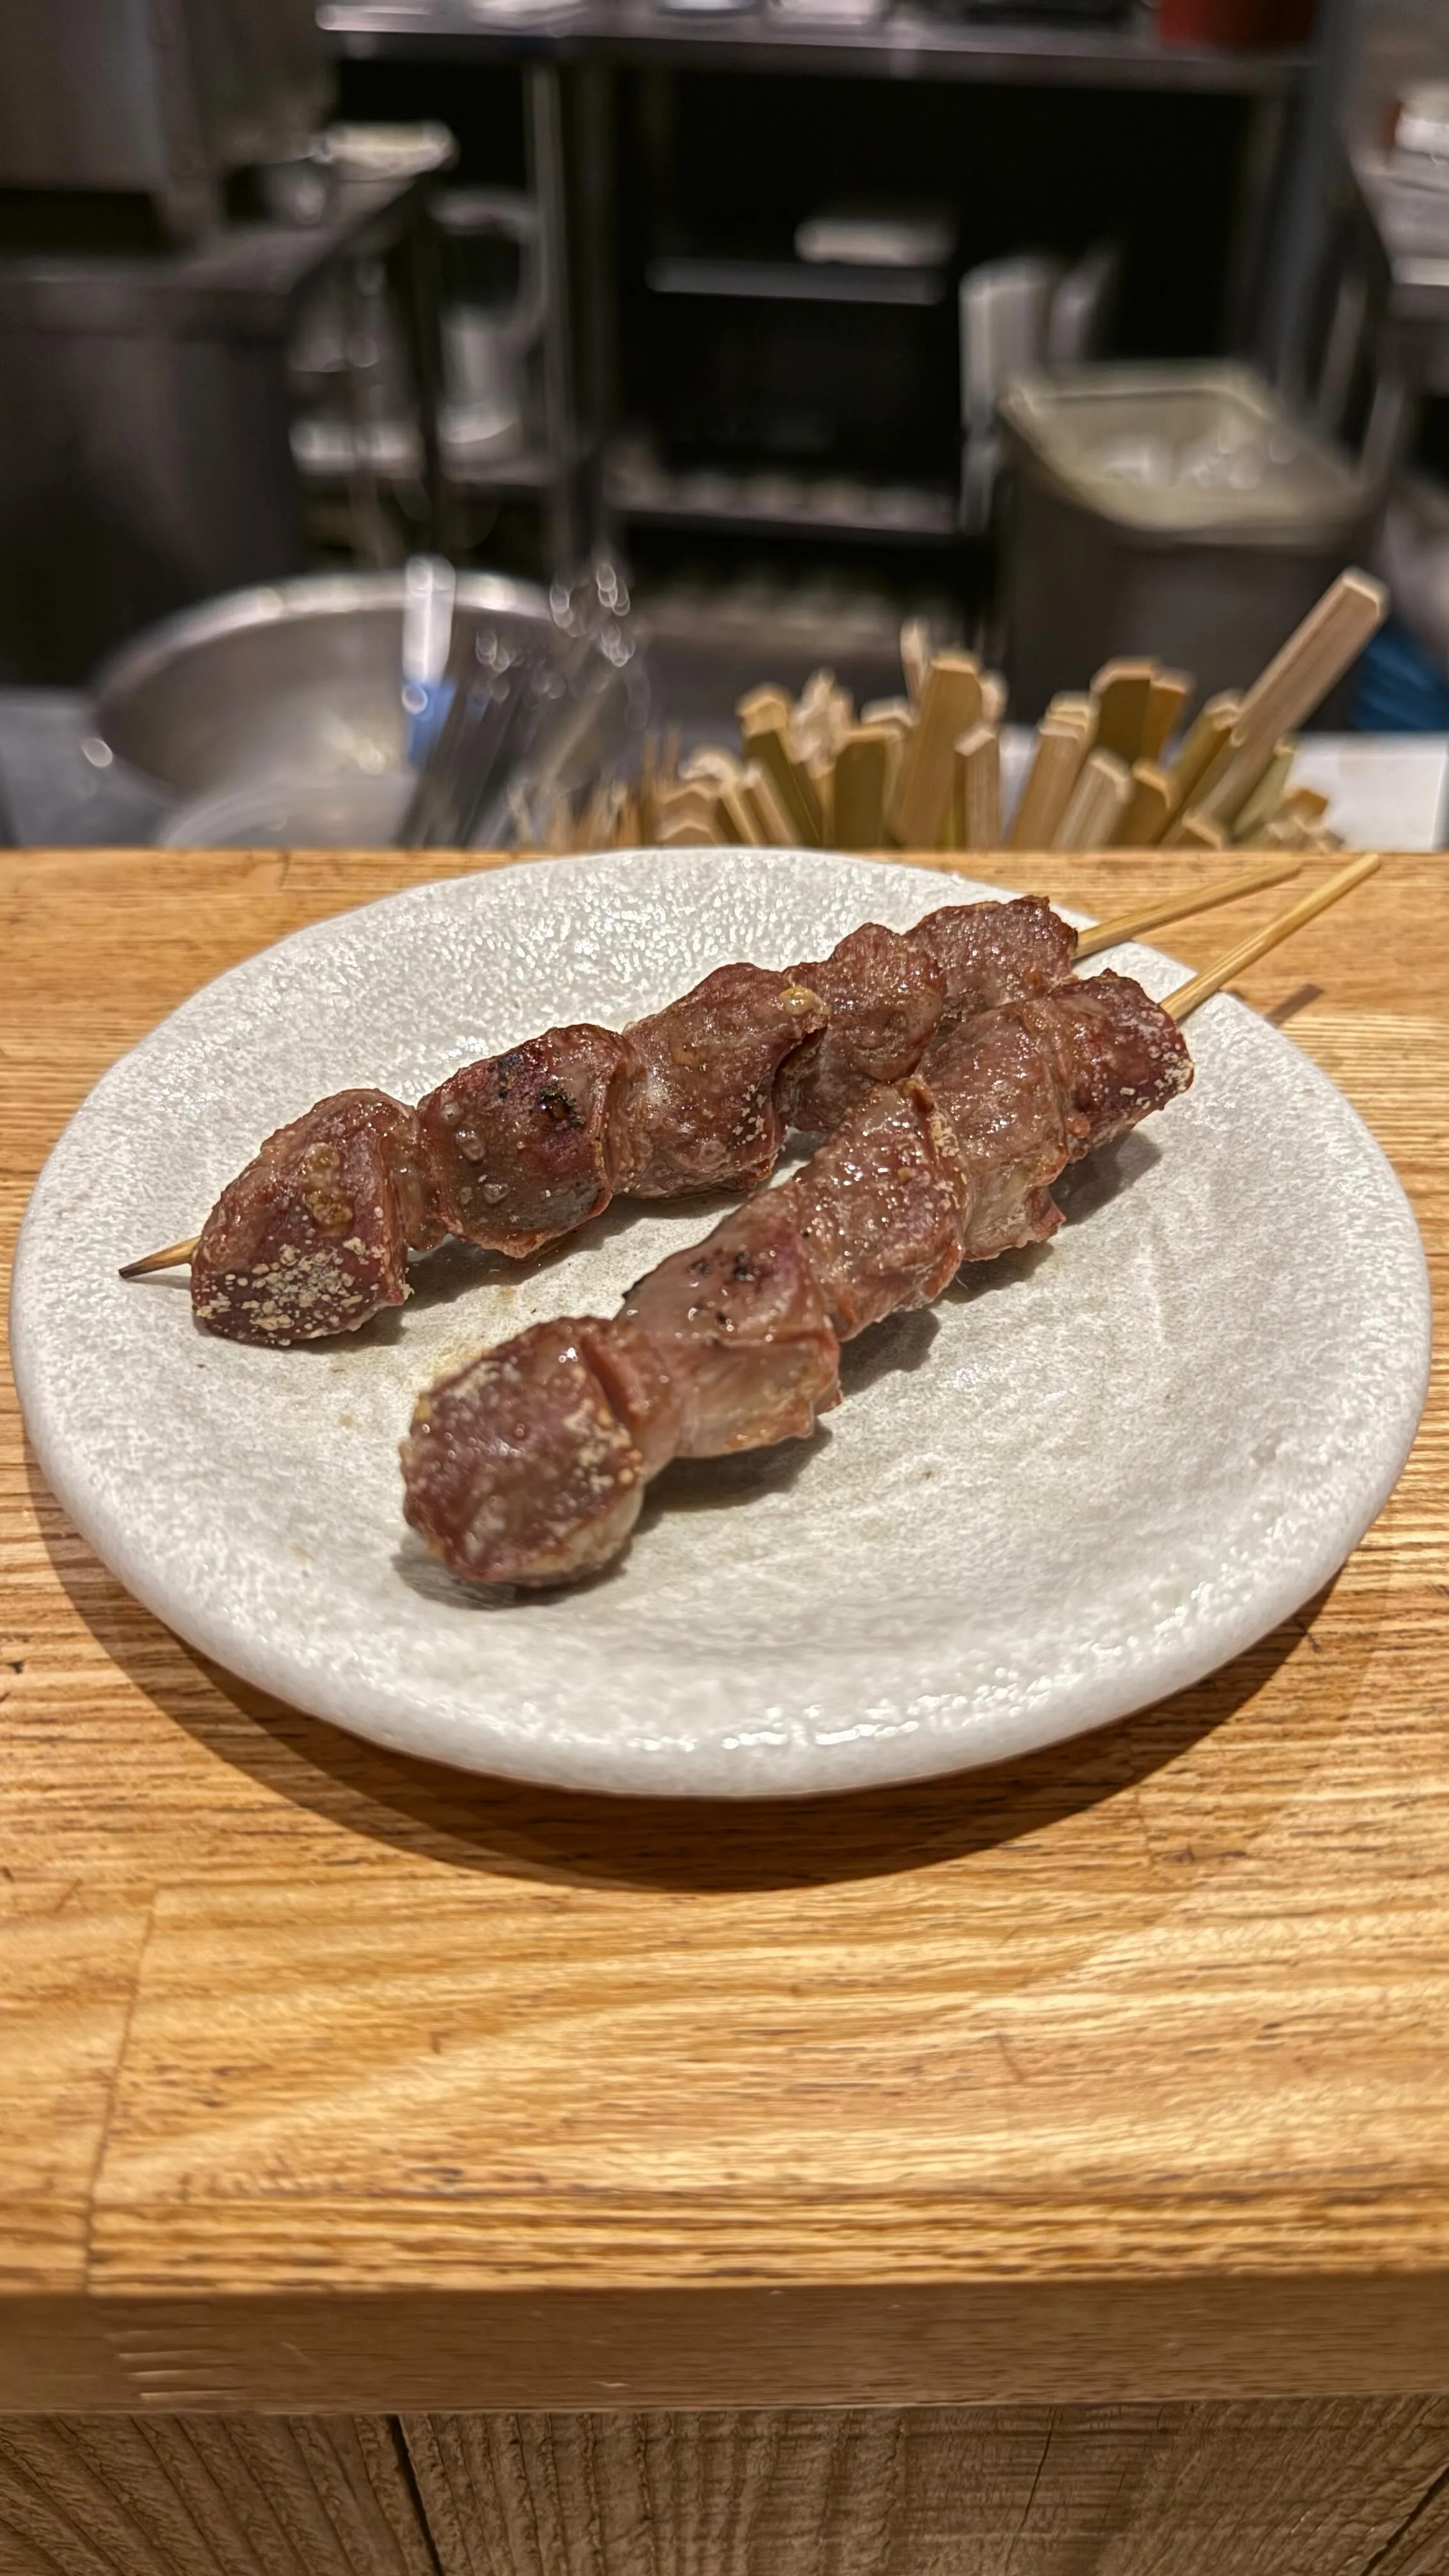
pixel 882 1208
pixel 990 953
pixel 884 998
pixel 743 1331
pixel 695 1108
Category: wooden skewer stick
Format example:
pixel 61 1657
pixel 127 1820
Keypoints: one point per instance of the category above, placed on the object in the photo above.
pixel 1210 730
pixel 1169 907
pixel 950 704
pixel 1062 741
pixel 976 789
pixel 1148 808
pixel 1122 694
pixel 1213 978
pixel 1096 805
pixel 864 767
pixel 1297 679
pixel 1166 699
pixel 1104 934
pixel 171 1259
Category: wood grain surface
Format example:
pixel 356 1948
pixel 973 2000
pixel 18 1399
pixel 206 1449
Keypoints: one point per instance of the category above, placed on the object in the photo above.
pixel 198 2496
pixel 1284 2487
pixel 334 2080
pixel 1287 2487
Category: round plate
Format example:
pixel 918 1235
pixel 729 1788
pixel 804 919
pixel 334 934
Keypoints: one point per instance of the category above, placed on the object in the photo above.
pixel 1089 1475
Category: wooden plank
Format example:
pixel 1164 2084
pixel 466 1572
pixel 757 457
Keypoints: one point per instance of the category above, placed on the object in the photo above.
pixel 336 2081
pixel 192 2496
pixel 1350 2487
pixel 1291 2488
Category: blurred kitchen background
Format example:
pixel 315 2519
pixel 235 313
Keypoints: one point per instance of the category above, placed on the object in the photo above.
pixel 1065 328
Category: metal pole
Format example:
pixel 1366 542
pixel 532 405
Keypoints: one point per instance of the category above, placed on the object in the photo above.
pixel 546 178
pixel 1296 256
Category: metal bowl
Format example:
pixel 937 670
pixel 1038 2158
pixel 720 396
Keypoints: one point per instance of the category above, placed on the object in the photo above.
pixel 354 809
pixel 298 681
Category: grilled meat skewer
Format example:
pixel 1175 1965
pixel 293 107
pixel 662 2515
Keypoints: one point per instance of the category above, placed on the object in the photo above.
pixel 313 1236
pixel 519 1149
pixel 529 1465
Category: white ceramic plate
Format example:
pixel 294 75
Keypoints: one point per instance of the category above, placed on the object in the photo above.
pixel 1088 1477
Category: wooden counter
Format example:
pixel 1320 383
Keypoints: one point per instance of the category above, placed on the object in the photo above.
pixel 329 2081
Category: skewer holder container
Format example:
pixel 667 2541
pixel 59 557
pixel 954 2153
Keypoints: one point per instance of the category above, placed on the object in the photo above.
pixel 1180 512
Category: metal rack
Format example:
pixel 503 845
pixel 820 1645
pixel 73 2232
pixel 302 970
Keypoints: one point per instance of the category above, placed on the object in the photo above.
pixel 563 55
pixel 903 45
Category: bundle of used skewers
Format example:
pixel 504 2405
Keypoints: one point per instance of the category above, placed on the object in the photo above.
pixel 1111 768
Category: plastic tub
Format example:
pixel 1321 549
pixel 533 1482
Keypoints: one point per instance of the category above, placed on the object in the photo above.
pixel 1178 511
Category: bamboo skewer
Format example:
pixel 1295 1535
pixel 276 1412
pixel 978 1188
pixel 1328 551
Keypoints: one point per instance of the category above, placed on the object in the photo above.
pixel 171 1259
pixel 1267 796
pixel 950 705
pixel 1209 731
pixel 1099 776
pixel 765 733
pixel 1297 680
pixel 1195 832
pixel 1213 978
pixel 1122 695
pixel 1096 805
pixel 976 790
pixel 1063 739
pixel 915 656
pixel 864 768
pixel 1168 907
pixel 1149 806
pixel 1166 699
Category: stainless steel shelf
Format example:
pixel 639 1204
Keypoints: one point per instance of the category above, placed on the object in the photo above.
pixel 787 281
pixel 894 514
pixel 904 45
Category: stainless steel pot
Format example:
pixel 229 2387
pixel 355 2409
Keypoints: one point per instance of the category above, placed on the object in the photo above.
pixel 276 704
pixel 297 680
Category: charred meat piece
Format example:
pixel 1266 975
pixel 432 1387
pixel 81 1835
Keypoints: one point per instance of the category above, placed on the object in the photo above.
pixel 523 1458
pixel 742 1334
pixel 312 1237
pixel 883 1207
pixel 884 997
pixel 694 1108
pixel 514 1146
pixel 989 953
